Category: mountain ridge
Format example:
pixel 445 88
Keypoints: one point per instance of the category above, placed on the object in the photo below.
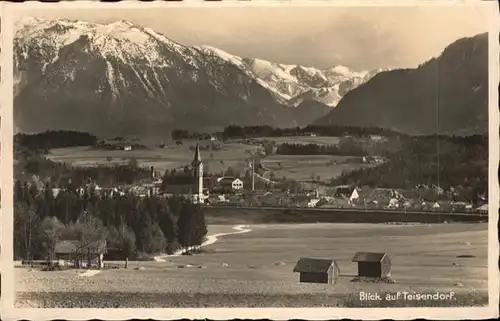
pixel 52 53
pixel 447 95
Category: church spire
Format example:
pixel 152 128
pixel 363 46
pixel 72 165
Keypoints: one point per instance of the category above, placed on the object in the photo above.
pixel 197 156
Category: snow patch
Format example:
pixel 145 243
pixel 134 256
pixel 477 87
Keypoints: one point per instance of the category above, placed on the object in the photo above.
pixel 222 54
pixel 264 69
pixel 89 273
pixel 112 80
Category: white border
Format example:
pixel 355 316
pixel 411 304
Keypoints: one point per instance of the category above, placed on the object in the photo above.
pixel 488 8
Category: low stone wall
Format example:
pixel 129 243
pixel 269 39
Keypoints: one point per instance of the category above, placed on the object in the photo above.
pixel 260 215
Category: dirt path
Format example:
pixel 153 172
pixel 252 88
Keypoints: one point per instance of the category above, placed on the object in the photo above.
pixel 211 239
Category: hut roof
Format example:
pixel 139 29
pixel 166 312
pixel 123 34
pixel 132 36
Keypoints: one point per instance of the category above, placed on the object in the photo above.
pixel 64 247
pixel 368 257
pixel 313 265
pixel 71 246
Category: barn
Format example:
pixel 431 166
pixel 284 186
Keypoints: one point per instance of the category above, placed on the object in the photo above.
pixel 317 270
pixel 70 252
pixel 375 265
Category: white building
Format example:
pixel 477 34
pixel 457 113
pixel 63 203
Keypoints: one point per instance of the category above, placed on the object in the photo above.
pixel 235 184
pixel 313 202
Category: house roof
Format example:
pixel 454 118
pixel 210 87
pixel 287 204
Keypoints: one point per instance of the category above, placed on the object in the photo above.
pixel 483 207
pixel 313 265
pixel 227 180
pixel 368 257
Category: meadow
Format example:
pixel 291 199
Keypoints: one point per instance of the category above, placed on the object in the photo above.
pixel 232 154
pixel 255 269
pixel 321 140
pixel 309 167
pixel 173 156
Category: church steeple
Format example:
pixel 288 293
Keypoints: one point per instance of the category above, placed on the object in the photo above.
pixel 197 165
pixel 197 157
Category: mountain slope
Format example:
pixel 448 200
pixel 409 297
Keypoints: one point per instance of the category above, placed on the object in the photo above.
pixel 121 78
pixel 124 79
pixel 448 94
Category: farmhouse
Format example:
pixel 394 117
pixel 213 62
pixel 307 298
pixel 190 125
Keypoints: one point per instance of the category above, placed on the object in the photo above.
pixel 317 271
pixel 376 137
pixel 375 265
pixel 483 209
pixel 313 202
pixel 230 183
pixel 348 192
pixel 393 203
pixel 70 252
pixel 458 206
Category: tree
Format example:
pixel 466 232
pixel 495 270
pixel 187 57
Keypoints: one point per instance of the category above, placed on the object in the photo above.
pixel 231 172
pixel 150 238
pixel 51 230
pixel 132 163
pixel 192 226
pixel 90 234
pixel 26 222
pixel 122 239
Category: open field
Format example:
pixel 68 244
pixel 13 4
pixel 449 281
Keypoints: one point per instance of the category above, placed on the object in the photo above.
pixel 304 167
pixel 321 140
pixel 235 155
pixel 232 154
pixel 255 269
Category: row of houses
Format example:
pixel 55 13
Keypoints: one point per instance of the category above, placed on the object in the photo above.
pixel 377 198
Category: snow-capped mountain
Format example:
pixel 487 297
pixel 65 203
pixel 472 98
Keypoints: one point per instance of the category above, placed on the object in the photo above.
pixel 123 78
pixel 293 84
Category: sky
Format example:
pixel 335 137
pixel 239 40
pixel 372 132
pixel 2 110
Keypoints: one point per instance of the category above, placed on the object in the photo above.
pixel 360 38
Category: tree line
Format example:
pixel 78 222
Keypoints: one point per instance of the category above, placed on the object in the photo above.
pixel 349 149
pixel 236 131
pixel 54 139
pixel 62 174
pixel 132 226
pixel 442 161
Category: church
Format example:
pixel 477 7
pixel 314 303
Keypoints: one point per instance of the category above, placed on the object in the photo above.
pixel 192 189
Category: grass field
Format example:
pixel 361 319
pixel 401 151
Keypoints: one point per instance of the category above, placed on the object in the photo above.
pixel 255 269
pixel 232 154
pixel 303 140
pixel 235 155
pixel 304 167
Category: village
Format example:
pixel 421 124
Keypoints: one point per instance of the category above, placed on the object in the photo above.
pixel 253 190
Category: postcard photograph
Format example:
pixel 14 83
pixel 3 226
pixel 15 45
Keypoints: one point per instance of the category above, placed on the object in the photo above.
pixel 250 156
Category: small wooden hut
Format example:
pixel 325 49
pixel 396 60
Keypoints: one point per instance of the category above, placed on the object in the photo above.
pixel 370 264
pixel 317 270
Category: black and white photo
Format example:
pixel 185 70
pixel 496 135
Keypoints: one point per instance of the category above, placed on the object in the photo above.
pixel 251 156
